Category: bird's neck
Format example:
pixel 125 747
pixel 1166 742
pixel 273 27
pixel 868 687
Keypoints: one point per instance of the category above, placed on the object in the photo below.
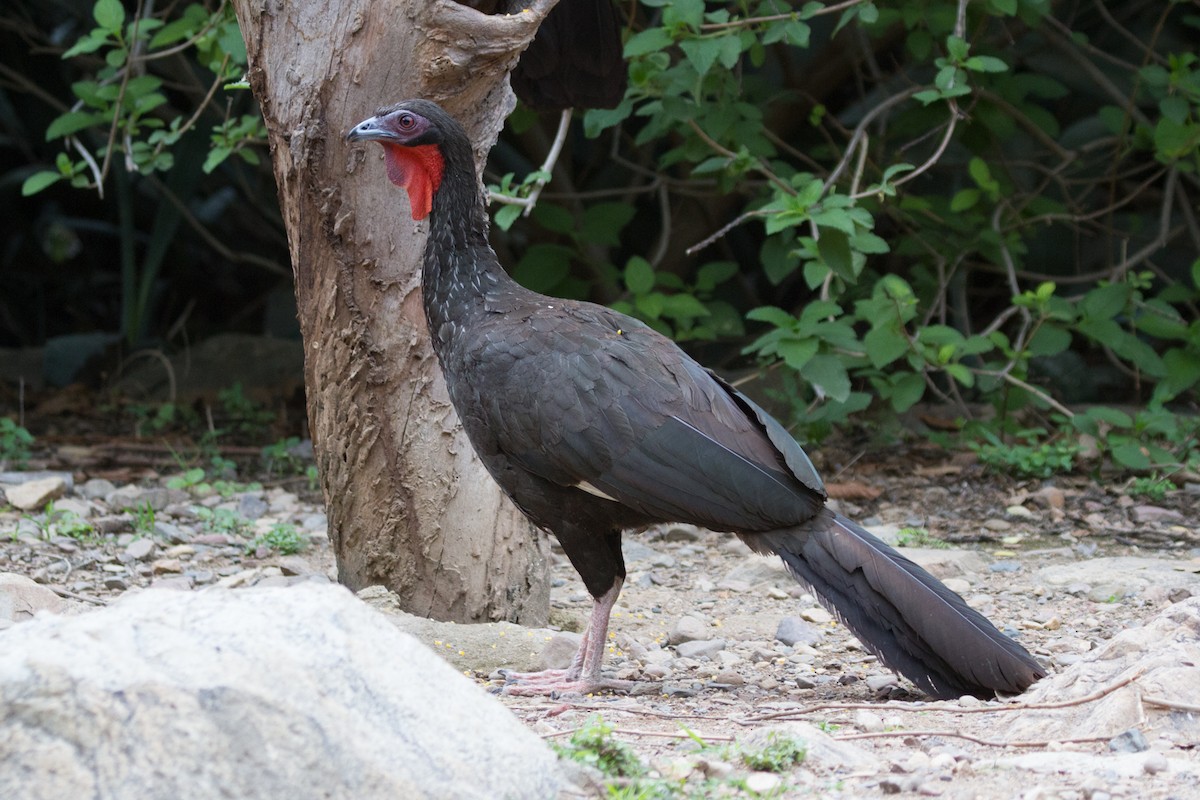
pixel 460 268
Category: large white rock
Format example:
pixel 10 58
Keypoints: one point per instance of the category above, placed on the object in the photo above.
pixel 294 693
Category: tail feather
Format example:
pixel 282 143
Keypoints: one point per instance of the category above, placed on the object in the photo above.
pixel 901 613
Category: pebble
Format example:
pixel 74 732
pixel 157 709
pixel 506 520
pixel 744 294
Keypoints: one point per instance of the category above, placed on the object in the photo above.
pixel 1155 763
pixel 97 489
pixel 868 721
pixel 170 532
pixel 140 549
pixel 762 782
pixel 688 629
pixel 251 506
pixel 700 648
pixel 1130 741
pixel 34 495
pixel 794 630
pixel 817 615
pixel 1153 514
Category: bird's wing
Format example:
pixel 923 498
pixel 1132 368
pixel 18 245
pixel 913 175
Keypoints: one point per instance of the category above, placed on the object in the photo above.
pixel 586 397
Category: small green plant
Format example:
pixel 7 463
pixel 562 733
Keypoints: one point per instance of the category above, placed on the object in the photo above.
pixel 15 442
pixel 777 754
pixel 143 520
pixel 280 458
pixel 918 537
pixel 193 480
pixel 56 522
pixel 1151 488
pixel 222 520
pixel 1028 459
pixel 594 745
pixel 282 538
pixel 243 414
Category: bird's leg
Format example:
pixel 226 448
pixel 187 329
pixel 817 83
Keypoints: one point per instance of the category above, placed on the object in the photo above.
pixel 583 676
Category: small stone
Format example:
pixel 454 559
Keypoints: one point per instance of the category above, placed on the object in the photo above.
pixel 1050 496
pixel 294 565
pixel 113 523
pixel 817 615
pixel 762 783
pixel 167 565
pixel 70 505
pixel 877 683
pixel 212 539
pixel 251 506
pixel 1019 512
pixel 867 721
pixel 560 650
pixel 21 598
pixel 729 677
pixel 700 648
pixel 317 523
pixel 1005 566
pixel 170 532
pixel 1150 514
pixel 957 585
pixel 34 495
pixel 656 672
pixel 682 533
pixel 794 630
pixel 140 549
pixel 997 525
pixel 1155 763
pixel 1130 741
pixel 178 582
pixel 115 583
pixel 688 629
pixel 97 489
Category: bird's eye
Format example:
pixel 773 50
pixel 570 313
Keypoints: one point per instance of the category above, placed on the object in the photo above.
pixel 406 122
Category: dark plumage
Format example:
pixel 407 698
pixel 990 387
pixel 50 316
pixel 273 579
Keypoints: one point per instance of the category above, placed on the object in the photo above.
pixel 594 424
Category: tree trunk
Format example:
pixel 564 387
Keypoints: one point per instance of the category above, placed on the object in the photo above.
pixel 410 507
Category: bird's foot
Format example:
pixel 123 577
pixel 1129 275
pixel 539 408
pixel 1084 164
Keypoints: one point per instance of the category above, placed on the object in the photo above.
pixel 556 682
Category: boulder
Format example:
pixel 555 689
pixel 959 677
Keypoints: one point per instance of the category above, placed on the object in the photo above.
pixel 299 692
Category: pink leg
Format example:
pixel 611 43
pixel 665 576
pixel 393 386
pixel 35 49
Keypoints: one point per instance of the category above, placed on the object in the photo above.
pixel 583 676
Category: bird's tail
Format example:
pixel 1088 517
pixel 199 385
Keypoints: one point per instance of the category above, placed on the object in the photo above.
pixel 904 615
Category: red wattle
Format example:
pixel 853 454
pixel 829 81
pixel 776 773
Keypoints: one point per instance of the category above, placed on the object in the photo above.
pixel 417 169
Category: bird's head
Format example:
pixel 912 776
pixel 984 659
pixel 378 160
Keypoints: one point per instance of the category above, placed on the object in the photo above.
pixel 415 135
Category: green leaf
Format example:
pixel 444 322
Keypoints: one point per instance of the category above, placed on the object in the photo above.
pixel 714 273
pixel 1105 302
pixel 834 247
pixel 985 64
pixel 639 275
pixel 1049 340
pixel 38 181
pixel 1131 456
pixel 543 266
pixel 796 353
pixel 885 344
pixel 109 14
pixel 69 123
pixel 907 389
pixel 829 373
pixel 684 306
pixel 963 200
pixel 648 41
pixel 506 215
pixel 603 223
pixel 702 53
pixel 961 374
pixel 89 44
pixel 771 315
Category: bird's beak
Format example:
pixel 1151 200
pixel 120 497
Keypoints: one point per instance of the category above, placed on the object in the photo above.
pixel 369 130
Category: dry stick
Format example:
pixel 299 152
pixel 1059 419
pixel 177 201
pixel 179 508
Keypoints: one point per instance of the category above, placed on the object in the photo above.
pixel 665 734
pixel 1162 702
pixel 530 200
pixel 61 592
pixel 976 739
pixel 1078 701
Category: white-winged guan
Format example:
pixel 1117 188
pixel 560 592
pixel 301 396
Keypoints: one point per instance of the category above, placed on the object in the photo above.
pixel 595 424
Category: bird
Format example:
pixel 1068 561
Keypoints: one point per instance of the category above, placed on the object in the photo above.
pixel 595 425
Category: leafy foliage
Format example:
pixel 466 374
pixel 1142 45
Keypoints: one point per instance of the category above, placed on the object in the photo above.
pixel 872 205
pixel 15 443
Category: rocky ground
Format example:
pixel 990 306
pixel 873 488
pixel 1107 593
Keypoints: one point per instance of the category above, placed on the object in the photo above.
pixel 1097 583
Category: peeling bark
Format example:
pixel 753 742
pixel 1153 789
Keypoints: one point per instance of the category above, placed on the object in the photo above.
pixel 410 507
